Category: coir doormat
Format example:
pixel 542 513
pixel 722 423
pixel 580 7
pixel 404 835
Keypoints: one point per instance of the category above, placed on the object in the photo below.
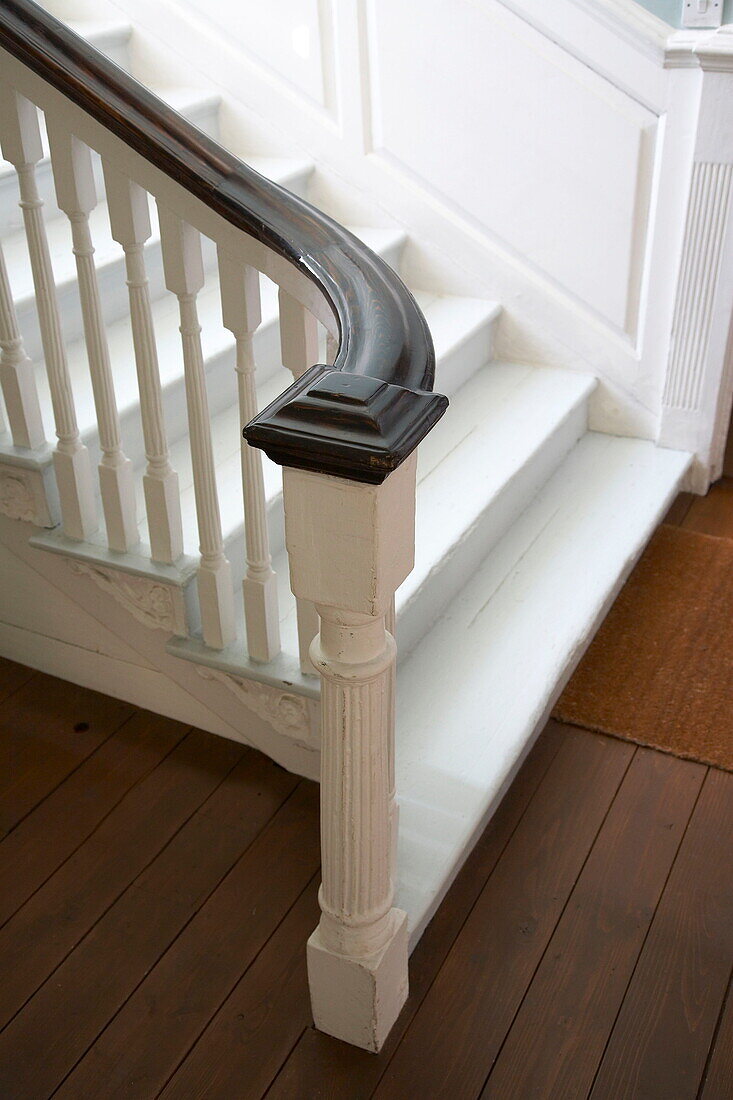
pixel 660 669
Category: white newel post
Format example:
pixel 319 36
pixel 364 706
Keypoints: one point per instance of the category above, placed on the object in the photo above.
pixel 184 276
pixel 16 374
pixel 696 403
pixel 350 546
pixel 21 145
pixel 76 195
pixel 129 217
pixel 299 352
pixel 241 313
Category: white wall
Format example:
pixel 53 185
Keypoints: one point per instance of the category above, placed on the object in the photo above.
pixel 538 154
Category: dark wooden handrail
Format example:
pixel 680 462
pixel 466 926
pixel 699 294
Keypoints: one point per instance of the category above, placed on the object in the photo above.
pixel 358 419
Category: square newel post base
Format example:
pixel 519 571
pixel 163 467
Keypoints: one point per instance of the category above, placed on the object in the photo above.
pixel 358 1000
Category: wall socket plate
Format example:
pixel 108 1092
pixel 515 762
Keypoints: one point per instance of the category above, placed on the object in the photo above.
pixel 702 13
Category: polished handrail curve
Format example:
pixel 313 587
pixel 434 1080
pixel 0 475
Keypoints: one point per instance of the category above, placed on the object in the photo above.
pixel 359 418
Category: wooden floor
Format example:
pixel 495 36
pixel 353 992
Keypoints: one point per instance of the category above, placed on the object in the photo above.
pixel 157 886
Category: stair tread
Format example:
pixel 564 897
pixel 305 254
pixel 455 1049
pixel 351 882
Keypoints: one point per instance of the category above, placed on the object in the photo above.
pixel 98 32
pixel 481 682
pixel 449 313
pixel 499 418
pixel 225 434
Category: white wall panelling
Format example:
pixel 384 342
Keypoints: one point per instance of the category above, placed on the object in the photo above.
pixel 558 185
pixel 511 131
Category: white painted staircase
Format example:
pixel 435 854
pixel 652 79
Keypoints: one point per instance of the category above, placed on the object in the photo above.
pixel 527 523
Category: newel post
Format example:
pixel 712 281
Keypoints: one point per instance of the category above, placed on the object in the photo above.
pixel 350 546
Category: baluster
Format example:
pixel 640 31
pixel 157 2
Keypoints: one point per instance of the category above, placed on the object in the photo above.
pixel 351 545
pixel 240 303
pixel 21 145
pixel 184 276
pixel 76 195
pixel 299 351
pixel 332 347
pixel 16 374
pixel 129 217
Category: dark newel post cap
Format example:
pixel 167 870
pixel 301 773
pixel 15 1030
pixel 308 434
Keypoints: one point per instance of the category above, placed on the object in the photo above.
pixel 350 425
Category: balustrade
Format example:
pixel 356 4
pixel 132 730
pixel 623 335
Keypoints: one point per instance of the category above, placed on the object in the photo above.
pixel 346 439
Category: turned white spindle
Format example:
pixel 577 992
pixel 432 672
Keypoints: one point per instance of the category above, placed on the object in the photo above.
pixel 240 304
pixel 332 347
pixel 184 276
pixel 16 374
pixel 350 562
pixel 299 351
pixel 76 195
pixel 129 217
pixel 21 145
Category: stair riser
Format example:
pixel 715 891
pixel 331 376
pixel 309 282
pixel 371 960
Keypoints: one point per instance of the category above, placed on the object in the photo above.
pixel 460 362
pixel 434 596
pixel 393 254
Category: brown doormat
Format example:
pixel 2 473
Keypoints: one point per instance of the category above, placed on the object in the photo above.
pixel 660 670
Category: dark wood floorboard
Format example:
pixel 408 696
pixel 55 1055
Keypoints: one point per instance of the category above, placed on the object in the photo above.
pixel 12 676
pixel 218 808
pixel 718 1076
pixel 556 1042
pixel 158 885
pixel 321 1066
pixel 47 728
pixel 712 514
pixel 146 1042
pixel 61 822
pixel 451 1045
pixel 66 907
pixel 254 1031
pixel 660 1043
pixel 676 514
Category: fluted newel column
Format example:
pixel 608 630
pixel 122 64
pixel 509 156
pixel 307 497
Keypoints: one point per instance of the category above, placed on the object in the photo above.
pixel 240 305
pixel 21 145
pixel 394 810
pixel 696 400
pixel 77 196
pixel 16 374
pixel 350 545
pixel 129 217
pixel 184 276
pixel 299 351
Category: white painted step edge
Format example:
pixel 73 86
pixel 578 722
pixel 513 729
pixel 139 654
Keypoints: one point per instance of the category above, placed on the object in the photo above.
pixel 480 686
pixel 520 423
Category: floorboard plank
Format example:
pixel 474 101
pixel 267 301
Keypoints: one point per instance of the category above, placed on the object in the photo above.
pixel 63 820
pixel 679 509
pixel 47 728
pixel 458 1031
pixel 97 978
pixel 142 1047
pixel 255 1029
pixel 664 1030
pixel 12 677
pixel 40 935
pixel 324 1067
pixel 713 514
pixel 561 1029
pixel 718 1084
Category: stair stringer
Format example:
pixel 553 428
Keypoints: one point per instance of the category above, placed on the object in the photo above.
pixel 282 724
